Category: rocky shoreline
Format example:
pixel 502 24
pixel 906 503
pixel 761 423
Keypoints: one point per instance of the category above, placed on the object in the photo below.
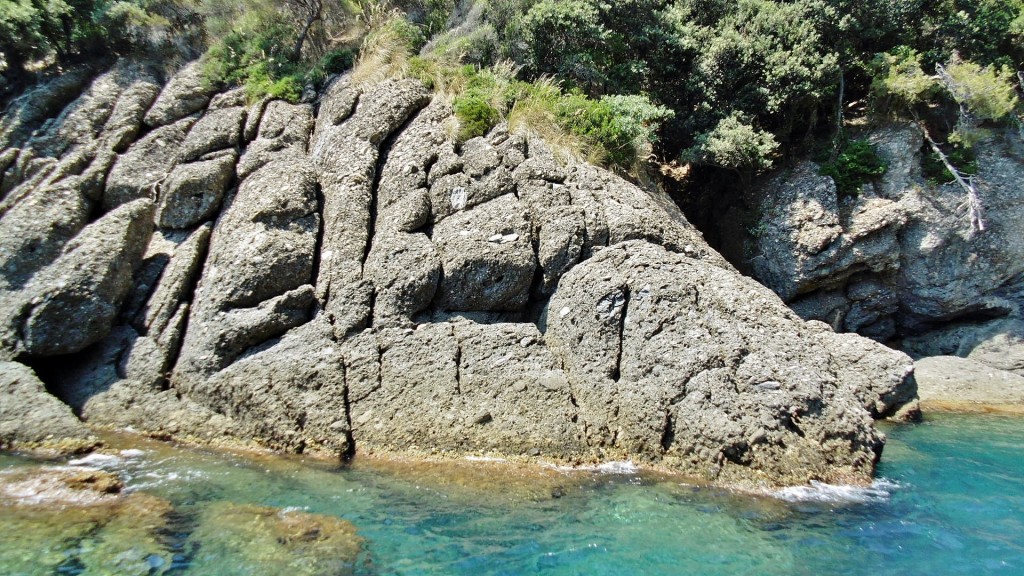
pixel 340 276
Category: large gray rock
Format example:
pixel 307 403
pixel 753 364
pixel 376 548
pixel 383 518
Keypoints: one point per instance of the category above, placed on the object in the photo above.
pixel 405 270
pixel 217 129
pixel 486 256
pixel 290 395
pixel 346 155
pixel 193 192
pixel 28 111
pixel 947 270
pixel 112 109
pixel 900 258
pixel 140 171
pixel 73 302
pixel 678 360
pixel 256 283
pixel 462 387
pixel 186 93
pixel 34 231
pixel 372 286
pixel 30 418
pixel 283 132
pixel 997 343
pixel 807 239
pixel 949 382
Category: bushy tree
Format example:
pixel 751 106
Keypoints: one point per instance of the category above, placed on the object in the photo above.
pixel 734 144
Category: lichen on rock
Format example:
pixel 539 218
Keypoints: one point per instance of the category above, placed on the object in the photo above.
pixel 342 277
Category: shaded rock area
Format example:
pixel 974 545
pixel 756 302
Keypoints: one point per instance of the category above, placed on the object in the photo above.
pixel 898 261
pixel 341 277
pixel 32 419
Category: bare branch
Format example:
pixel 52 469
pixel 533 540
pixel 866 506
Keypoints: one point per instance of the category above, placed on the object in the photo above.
pixel 975 210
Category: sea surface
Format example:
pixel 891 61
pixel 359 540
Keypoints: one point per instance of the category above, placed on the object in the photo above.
pixel 949 500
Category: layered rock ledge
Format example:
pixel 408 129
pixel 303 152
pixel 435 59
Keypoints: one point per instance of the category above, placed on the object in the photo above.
pixel 340 277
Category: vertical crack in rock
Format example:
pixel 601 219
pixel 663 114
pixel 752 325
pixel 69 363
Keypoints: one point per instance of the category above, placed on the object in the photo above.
pixel 318 245
pixel 458 365
pixel 346 157
pixel 188 297
pixel 668 434
pixel 623 316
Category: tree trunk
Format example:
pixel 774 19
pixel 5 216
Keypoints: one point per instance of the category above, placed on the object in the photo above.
pixel 975 210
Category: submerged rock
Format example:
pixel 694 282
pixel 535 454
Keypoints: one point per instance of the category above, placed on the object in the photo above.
pixel 46 508
pixel 256 541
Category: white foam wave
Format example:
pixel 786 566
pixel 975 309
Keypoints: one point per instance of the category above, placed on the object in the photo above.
pixel 485 459
pixel 615 467
pixel 879 491
pixel 96 459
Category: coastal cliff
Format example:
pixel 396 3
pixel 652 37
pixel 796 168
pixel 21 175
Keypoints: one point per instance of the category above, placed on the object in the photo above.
pixel 342 277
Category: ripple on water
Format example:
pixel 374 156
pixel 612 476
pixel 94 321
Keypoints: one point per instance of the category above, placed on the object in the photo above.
pixel 952 502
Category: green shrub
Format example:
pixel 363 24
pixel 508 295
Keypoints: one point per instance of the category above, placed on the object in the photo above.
pixel 333 62
pixel 734 144
pixel 898 80
pixel 853 167
pixel 476 116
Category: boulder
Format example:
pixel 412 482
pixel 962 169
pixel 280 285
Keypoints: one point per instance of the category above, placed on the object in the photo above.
pixel 345 150
pixel 256 283
pixel 808 239
pixel 44 101
pixel 32 419
pixel 486 256
pixel 193 192
pixel 110 109
pixel 996 343
pixel 289 394
pixel 217 129
pixel 186 93
pixel 74 301
pixel 35 230
pixel 899 258
pixel 140 171
pixel 283 132
pixel 677 360
pixel 405 270
pixel 950 382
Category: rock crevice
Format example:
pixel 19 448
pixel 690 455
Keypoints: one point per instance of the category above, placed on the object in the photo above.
pixel 344 278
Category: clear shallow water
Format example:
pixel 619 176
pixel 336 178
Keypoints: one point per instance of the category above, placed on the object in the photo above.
pixel 951 502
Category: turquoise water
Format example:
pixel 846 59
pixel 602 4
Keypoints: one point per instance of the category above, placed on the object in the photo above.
pixel 950 501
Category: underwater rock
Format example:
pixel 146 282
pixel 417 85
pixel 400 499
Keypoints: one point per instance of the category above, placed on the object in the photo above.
pixel 257 540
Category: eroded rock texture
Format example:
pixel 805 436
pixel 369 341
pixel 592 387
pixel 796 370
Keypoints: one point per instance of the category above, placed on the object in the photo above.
pixel 900 260
pixel 342 277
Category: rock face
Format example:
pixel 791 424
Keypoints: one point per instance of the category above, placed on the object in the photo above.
pixel 30 418
pixel 963 384
pixel 900 260
pixel 344 278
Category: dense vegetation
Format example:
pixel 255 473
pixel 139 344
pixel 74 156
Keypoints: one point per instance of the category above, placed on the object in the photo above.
pixel 733 85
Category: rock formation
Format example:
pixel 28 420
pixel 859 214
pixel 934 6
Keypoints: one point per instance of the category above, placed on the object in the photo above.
pixel 343 277
pixel 899 260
